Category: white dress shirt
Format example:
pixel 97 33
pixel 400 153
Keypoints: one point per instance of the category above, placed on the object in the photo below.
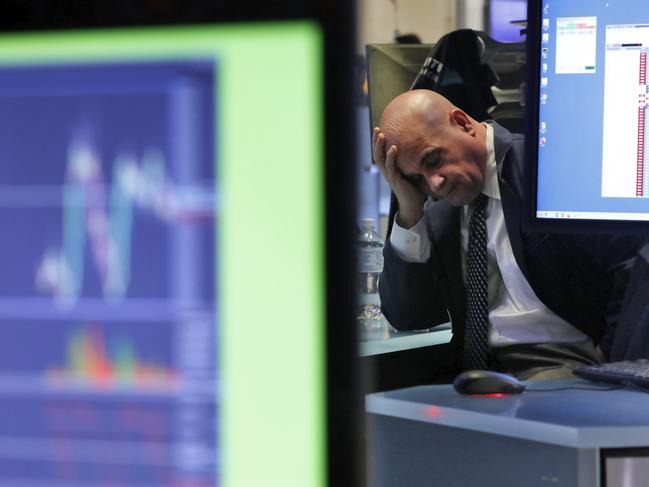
pixel 516 314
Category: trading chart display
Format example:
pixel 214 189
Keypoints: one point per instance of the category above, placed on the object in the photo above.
pixel 108 342
pixel 625 159
pixel 136 296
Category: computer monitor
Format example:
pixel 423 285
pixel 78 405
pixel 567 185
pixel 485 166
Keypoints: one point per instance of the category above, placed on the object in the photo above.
pixel 166 315
pixel 391 69
pixel 587 104
pixel 507 20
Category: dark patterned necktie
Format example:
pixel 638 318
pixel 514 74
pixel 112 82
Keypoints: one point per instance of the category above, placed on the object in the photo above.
pixel 475 339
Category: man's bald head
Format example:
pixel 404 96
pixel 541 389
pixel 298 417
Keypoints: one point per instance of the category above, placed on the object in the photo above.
pixel 414 109
pixel 436 146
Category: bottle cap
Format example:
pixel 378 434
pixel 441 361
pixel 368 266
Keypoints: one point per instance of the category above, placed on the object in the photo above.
pixel 367 223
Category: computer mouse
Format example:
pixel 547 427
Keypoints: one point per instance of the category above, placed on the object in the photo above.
pixel 487 382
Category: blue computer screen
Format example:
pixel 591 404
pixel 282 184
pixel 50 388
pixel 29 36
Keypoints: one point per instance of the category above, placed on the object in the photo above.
pixel 593 150
pixel 107 313
pixel 501 15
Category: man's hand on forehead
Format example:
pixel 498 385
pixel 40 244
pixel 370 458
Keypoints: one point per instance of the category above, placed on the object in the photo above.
pixel 408 193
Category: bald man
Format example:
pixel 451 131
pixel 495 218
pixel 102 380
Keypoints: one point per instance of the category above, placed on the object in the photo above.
pixel 552 299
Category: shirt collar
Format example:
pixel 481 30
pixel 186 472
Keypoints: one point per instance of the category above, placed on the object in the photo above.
pixel 491 188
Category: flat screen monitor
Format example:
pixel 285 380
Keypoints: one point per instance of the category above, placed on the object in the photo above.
pixel 391 69
pixel 163 300
pixel 588 132
pixel 507 19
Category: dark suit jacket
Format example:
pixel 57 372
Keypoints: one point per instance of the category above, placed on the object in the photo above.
pixel 581 278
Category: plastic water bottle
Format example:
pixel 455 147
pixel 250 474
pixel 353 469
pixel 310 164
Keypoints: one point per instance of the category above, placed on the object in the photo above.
pixel 370 266
pixel 370 257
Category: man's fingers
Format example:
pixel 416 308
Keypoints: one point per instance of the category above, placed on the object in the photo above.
pixel 386 159
pixel 378 147
pixel 390 164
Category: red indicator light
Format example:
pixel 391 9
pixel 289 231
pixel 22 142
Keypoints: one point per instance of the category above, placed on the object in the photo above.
pixel 497 394
pixel 432 411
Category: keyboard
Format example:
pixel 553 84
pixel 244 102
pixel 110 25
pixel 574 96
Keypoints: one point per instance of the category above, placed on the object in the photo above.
pixel 628 372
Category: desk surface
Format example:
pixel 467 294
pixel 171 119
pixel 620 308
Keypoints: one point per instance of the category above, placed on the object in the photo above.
pixel 389 340
pixel 598 417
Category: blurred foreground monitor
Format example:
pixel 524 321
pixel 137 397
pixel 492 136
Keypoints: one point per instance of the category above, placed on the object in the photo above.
pixel 149 332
